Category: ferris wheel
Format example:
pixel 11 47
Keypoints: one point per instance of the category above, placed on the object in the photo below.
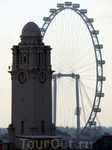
pixel 76 58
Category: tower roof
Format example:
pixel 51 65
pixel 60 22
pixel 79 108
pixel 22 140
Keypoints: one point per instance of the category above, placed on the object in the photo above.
pixel 30 30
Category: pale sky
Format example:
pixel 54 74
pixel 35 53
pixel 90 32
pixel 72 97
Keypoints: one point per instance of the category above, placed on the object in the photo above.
pixel 15 14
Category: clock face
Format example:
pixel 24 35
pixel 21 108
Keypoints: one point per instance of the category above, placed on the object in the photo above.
pixel 42 77
pixel 22 77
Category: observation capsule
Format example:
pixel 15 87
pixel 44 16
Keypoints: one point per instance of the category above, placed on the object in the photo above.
pixel 68 3
pixel 83 11
pixel 46 19
pixel 60 5
pixel 99 94
pixel 76 5
pixel 92 122
pixel 99 46
pixel 101 78
pixel 101 62
pixel 97 109
pixel 95 32
pixel 90 20
pixel 42 29
pixel 53 10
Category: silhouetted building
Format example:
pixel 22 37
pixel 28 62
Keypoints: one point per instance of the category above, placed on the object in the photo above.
pixel 31 76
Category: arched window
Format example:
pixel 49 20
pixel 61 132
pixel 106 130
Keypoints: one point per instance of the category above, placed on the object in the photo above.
pixel 22 127
pixel 20 58
pixel 24 58
pixel 40 58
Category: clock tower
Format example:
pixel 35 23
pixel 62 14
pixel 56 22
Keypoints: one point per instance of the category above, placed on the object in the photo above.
pixel 31 86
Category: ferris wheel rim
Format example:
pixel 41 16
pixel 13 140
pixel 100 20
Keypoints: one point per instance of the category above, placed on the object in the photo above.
pixel 97 51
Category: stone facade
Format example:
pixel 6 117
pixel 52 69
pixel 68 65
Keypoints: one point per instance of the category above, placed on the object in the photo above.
pixel 31 87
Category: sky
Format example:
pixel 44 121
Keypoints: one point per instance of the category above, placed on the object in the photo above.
pixel 15 14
